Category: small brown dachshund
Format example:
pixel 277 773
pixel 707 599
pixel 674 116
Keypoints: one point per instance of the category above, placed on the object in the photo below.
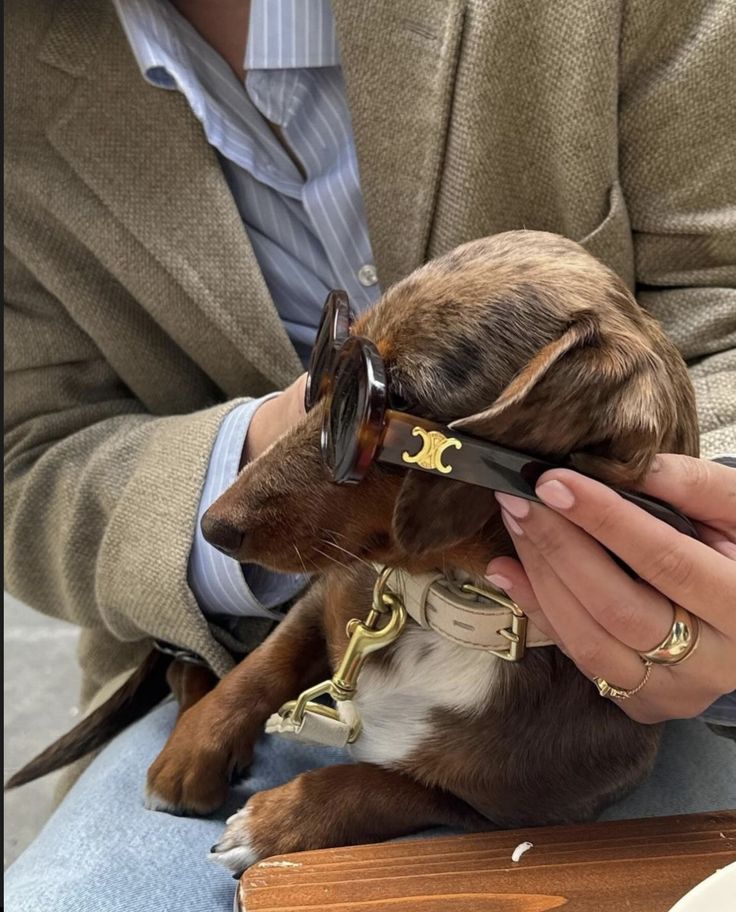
pixel 522 339
pixel 535 345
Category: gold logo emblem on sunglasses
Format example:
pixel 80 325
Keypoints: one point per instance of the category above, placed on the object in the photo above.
pixel 434 445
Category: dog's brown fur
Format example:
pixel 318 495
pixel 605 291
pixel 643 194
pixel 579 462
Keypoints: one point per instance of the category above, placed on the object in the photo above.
pixel 523 339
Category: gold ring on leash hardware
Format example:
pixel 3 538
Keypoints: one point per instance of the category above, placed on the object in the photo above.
pixel 365 637
pixel 515 633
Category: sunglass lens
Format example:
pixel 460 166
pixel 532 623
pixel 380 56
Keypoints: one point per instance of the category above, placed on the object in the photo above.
pixel 354 416
pixel 333 330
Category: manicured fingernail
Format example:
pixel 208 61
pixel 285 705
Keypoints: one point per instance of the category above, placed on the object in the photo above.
pixel 516 506
pixel 499 581
pixel 511 523
pixel 556 494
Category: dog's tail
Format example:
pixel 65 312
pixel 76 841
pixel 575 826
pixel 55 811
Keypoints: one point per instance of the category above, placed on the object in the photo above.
pixel 143 690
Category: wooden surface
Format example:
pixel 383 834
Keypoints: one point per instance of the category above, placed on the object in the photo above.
pixel 633 865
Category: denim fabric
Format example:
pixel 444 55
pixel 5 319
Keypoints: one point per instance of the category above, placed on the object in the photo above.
pixel 102 851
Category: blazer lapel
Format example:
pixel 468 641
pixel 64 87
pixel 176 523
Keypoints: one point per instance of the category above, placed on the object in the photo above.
pixel 144 155
pixel 399 61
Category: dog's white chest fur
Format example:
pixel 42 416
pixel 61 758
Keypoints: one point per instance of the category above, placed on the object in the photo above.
pixel 396 704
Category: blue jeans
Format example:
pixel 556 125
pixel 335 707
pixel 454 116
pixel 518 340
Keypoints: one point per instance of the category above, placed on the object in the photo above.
pixel 102 851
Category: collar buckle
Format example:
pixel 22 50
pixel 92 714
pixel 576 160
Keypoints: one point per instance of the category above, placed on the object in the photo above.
pixel 515 633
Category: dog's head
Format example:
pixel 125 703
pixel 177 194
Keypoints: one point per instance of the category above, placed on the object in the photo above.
pixel 523 339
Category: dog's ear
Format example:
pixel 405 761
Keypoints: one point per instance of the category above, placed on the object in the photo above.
pixel 581 332
pixel 607 399
pixel 433 514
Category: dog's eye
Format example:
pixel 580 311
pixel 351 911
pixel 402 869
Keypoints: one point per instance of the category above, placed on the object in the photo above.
pixel 398 397
pixel 398 402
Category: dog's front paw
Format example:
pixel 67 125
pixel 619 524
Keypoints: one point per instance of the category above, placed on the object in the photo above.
pixel 235 849
pixel 192 773
pixel 187 781
pixel 271 823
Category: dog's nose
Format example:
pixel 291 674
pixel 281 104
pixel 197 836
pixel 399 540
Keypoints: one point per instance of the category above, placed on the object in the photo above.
pixel 221 534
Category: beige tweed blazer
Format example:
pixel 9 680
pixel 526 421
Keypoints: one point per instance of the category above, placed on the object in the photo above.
pixel 136 314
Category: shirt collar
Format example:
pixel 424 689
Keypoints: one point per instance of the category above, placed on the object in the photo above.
pixel 281 35
pixel 284 35
pixel 149 26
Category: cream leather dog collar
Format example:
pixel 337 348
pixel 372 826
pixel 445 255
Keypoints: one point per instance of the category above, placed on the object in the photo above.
pixel 479 618
pixel 471 616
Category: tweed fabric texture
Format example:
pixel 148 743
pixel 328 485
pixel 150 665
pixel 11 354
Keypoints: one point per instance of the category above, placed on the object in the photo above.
pixel 136 315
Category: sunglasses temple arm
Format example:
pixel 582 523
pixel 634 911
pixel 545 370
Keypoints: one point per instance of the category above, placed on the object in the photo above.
pixel 662 511
pixel 498 468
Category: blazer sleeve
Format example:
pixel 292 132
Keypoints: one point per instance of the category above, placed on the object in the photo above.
pixel 677 123
pixel 100 496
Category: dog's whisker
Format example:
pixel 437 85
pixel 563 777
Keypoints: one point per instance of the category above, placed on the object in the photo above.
pixel 346 551
pixel 301 559
pixel 329 557
pixel 337 534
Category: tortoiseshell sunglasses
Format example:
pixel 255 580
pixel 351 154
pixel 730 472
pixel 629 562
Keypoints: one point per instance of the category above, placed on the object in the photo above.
pixel 359 427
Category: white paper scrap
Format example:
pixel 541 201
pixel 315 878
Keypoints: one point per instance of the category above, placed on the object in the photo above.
pixel 520 849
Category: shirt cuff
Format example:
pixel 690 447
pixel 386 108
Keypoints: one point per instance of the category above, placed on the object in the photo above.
pixel 727 459
pixel 722 712
pixel 220 584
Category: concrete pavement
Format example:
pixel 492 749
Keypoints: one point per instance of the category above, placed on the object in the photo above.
pixel 41 689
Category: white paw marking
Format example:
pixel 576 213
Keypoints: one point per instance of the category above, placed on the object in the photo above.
pixel 237 815
pixel 233 850
pixel 155 802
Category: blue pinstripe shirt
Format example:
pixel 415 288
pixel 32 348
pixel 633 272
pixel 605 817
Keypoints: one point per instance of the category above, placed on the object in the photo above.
pixel 306 224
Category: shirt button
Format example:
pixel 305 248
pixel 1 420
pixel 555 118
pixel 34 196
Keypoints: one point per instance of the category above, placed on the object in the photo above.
pixel 367 275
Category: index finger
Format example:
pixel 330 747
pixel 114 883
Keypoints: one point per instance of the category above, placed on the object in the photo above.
pixel 700 489
pixel 685 570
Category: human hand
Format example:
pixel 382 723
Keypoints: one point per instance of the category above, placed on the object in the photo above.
pixel 273 418
pixel 600 617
